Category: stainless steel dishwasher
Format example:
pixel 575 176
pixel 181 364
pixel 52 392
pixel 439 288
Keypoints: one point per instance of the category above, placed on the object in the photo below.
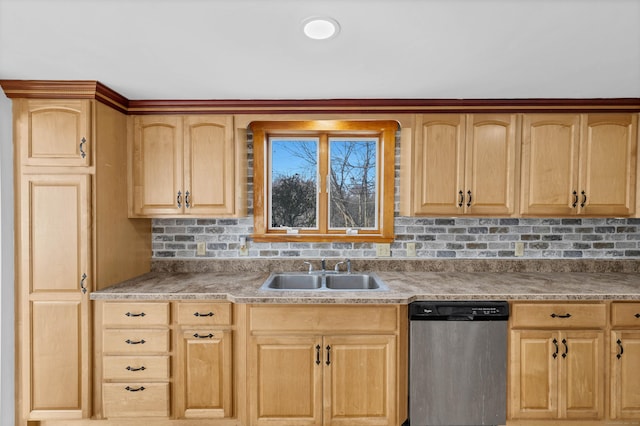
pixel 458 363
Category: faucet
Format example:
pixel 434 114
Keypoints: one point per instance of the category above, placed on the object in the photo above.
pixel 347 261
pixel 323 264
pixel 310 266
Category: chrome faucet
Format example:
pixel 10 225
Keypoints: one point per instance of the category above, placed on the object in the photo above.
pixel 310 266
pixel 323 264
pixel 347 261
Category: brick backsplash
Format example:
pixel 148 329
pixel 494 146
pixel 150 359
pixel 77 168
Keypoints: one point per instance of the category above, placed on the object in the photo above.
pixel 462 238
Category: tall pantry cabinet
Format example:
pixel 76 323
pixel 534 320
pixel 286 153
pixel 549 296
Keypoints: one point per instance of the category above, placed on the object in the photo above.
pixel 72 237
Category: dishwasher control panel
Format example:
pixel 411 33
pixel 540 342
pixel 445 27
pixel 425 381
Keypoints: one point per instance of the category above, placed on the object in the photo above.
pixel 443 310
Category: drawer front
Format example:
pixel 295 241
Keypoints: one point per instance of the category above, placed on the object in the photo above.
pixel 558 315
pixel 625 315
pixel 135 341
pixel 135 368
pixel 135 399
pixel 204 313
pixel 135 314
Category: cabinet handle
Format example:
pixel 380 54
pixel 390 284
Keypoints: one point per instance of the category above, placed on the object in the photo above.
pixel 619 342
pixel 198 314
pixel 555 343
pixel 141 314
pixel 130 389
pixel 206 336
pixel 469 200
pixel 461 201
pixel 179 199
pixel 318 354
pixel 82 142
pixel 554 315
pixel 328 355
pixel 637 315
pixel 135 342
pixel 187 203
pixel 82 287
pixel 584 199
pixel 575 199
pixel 566 348
pixel 130 368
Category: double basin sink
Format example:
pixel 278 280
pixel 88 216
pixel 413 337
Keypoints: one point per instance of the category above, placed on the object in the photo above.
pixel 327 281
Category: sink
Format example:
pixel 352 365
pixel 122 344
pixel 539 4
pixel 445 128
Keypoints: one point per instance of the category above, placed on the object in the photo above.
pixel 327 281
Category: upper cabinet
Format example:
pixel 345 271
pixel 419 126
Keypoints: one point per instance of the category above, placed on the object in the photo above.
pixel 184 165
pixel 464 164
pixel 54 132
pixel 579 164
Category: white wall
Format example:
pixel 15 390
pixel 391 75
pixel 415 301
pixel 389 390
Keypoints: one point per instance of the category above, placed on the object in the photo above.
pixel 6 266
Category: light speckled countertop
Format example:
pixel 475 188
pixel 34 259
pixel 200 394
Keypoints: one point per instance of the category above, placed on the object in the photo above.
pixel 405 286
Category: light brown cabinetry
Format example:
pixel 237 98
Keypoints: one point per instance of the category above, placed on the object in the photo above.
pixel 72 236
pixel 557 361
pixel 625 361
pixel 464 164
pixel 579 164
pixel 135 348
pixel 326 366
pixel 184 165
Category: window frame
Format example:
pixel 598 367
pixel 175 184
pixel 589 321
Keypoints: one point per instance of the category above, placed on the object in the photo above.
pixel 384 130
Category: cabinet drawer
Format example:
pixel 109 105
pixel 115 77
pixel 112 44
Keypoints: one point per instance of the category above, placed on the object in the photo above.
pixel 135 399
pixel 558 315
pixel 135 314
pixel 135 341
pixel 625 315
pixel 135 368
pixel 206 313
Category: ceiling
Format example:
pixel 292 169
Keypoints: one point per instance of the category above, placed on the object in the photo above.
pixel 255 49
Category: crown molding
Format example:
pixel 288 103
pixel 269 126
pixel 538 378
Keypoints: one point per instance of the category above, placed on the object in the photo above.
pixel 92 89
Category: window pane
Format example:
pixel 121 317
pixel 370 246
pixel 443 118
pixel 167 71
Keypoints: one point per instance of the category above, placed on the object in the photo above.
pixel 294 182
pixel 354 183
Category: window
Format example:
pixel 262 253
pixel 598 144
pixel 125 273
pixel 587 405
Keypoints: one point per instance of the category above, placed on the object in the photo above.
pixel 323 180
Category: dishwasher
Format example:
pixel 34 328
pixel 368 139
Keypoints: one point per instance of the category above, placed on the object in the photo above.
pixel 458 363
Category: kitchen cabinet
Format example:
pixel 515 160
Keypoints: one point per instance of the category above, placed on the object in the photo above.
pixel 204 363
pixel 464 164
pixel 579 164
pixel 624 360
pixel 326 366
pixel 72 236
pixel 557 361
pixel 135 348
pixel 184 165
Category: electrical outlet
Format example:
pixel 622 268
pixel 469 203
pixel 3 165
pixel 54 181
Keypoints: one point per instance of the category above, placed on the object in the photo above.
pixel 244 247
pixel 202 248
pixel 519 251
pixel 383 249
pixel 411 249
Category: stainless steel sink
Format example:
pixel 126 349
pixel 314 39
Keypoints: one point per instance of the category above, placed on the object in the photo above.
pixel 328 281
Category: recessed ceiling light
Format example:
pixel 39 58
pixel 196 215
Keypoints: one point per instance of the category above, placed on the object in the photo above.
pixel 320 28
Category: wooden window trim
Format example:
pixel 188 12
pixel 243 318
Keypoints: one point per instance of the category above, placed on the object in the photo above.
pixel 383 129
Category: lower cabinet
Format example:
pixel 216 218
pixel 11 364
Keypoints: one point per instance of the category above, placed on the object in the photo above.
pixel 625 361
pixel 326 367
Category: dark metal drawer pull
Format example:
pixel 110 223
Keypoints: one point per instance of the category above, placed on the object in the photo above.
pixel 560 316
pixel 318 354
pixel 469 200
pixel 207 336
pixel 575 200
pixel 130 368
pixel 198 314
pixel 637 315
pixel 566 348
pixel 328 355
pixel 130 389
pixel 135 342
pixel 619 355
pixel 555 343
pixel 83 154
pixel 141 314
pixel 584 199
pixel 461 202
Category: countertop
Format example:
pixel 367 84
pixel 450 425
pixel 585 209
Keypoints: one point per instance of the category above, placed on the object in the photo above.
pixel 404 287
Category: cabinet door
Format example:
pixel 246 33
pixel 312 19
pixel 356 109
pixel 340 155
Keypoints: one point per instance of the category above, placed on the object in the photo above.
pixel 608 164
pixel 54 246
pixel 533 374
pixel 625 374
pixel 490 166
pixel 285 380
pixel 209 166
pixel 54 132
pixel 158 166
pixel 550 164
pixel 439 164
pixel 359 380
pixel 204 386
pixel 582 374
